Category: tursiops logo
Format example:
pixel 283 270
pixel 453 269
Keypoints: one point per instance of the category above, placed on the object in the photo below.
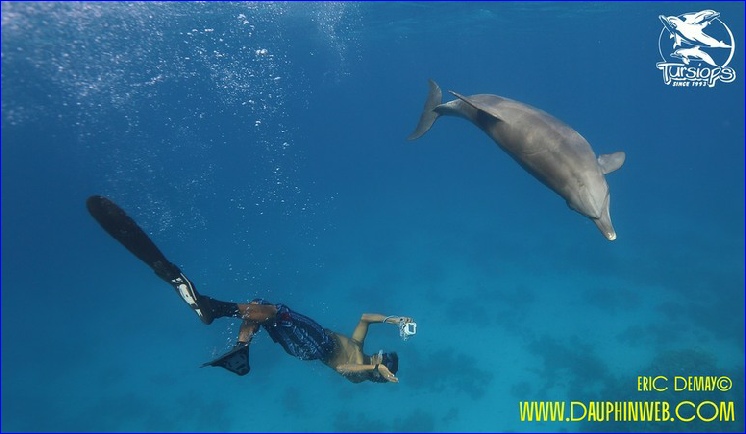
pixel 696 49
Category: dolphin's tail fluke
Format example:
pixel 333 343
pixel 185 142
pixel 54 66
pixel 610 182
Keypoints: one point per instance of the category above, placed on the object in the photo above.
pixel 428 116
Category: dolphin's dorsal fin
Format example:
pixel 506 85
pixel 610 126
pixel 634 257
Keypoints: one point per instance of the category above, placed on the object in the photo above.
pixel 477 106
pixel 611 162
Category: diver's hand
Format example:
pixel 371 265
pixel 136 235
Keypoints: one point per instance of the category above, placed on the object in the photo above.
pixel 397 320
pixel 386 374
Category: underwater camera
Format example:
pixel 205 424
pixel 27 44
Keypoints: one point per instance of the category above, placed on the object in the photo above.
pixel 407 329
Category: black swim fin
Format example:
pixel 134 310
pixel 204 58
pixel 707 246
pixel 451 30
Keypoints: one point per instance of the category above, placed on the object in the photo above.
pixel 125 230
pixel 236 360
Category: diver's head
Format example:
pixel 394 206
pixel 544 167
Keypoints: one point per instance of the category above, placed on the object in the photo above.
pixel 390 361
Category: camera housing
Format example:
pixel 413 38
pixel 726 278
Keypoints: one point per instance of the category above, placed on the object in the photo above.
pixel 408 329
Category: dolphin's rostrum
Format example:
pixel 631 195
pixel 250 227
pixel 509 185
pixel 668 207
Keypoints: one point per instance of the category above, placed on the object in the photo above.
pixel 544 146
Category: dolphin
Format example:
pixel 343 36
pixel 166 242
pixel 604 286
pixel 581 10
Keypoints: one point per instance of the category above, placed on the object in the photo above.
pixel 543 145
pixel 688 54
pixel 704 17
pixel 691 29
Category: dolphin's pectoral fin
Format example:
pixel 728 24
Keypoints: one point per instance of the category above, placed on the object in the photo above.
pixel 429 115
pixel 611 162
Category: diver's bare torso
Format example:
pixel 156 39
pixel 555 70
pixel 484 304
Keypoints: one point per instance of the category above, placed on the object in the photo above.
pixel 347 352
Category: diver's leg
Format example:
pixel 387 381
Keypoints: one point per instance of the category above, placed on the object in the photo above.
pixel 257 312
pixel 253 312
pixel 124 229
pixel 236 359
pixel 253 315
pixel 220 309
pixel 247 331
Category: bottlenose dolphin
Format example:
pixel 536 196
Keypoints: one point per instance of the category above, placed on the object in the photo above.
pixel 688 54
pixel 543 145
pixel 691 29
pixel 704 17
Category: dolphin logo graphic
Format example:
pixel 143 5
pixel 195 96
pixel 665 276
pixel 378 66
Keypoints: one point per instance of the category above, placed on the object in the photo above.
pixel 703 47
pixel 689 29
pixel 688 54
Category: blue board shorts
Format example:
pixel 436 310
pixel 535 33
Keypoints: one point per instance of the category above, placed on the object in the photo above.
pixel 299 335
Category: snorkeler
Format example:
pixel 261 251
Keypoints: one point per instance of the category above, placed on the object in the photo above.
pixel 299 335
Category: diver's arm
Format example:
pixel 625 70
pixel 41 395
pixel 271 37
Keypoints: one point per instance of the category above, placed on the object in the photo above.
pixel 355 373
pixel 390 319
pixel 397 320
pixel 349 368
pixel 383 371
pixel 388 375
pixel 361 330
pixel 372 317
pixel 369 318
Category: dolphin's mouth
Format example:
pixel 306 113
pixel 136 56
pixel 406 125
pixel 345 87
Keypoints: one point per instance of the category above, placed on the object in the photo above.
pixel 606 229
pixel 603 222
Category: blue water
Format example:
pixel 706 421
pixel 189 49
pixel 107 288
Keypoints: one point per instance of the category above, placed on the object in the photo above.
pixel 263 148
